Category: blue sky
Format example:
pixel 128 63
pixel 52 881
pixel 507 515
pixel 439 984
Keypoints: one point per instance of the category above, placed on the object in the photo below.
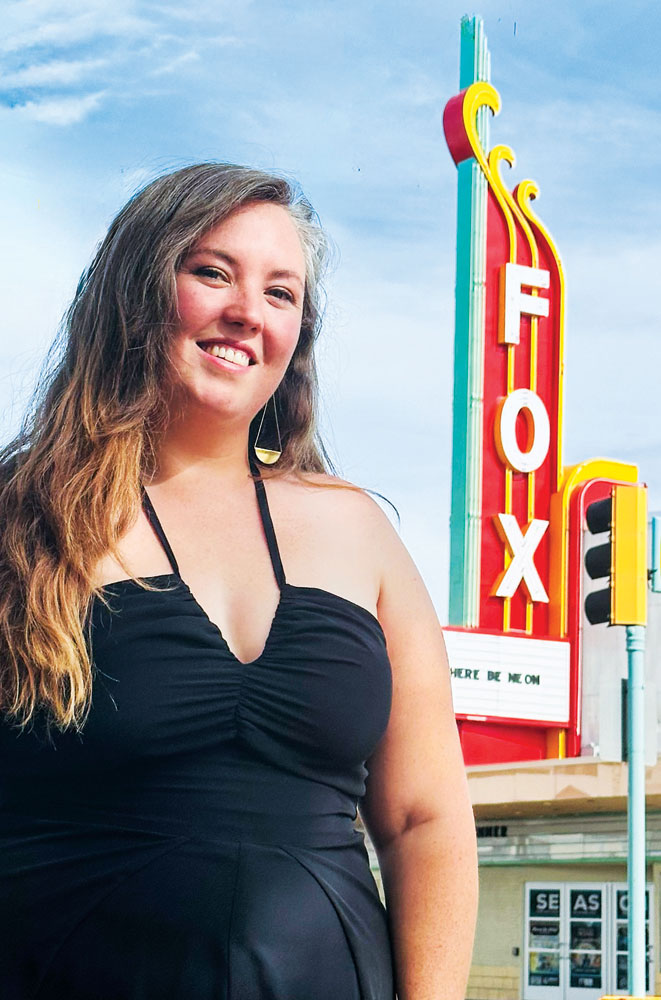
pixel 347 97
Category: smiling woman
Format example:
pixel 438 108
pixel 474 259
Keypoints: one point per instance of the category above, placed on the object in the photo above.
pixel 196 701
pixel 244 314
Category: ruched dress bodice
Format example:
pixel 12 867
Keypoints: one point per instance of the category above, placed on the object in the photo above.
pixel 197 839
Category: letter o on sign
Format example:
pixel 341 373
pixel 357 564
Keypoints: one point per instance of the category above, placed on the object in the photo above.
pixel 539 431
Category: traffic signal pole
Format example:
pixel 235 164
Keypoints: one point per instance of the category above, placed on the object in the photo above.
pixel 636 808
pixel 623 561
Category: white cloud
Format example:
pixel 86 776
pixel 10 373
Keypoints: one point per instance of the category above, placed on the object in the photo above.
pixel 59 110
pixel 29 25
pixel 52 45
pixel 57 72
pixel 173 65
pixel 191 15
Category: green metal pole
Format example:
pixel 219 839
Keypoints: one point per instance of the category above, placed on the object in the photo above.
pixel 656 555
pixel 465 522
pixel 636 809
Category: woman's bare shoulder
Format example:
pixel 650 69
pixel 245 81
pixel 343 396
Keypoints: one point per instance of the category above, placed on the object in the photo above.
pixel 333 522
pixel 317 492
pixel 333 535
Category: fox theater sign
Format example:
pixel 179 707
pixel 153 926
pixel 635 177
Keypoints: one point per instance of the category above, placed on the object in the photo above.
pixel 517 513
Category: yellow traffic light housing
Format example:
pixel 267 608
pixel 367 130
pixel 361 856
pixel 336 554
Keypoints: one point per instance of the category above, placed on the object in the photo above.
pixel 629 561
pixel 623 559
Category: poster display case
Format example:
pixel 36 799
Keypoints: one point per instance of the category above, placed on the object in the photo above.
pixel 576 945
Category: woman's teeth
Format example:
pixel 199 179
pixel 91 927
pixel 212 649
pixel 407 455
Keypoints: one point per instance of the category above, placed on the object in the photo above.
pixel 228 353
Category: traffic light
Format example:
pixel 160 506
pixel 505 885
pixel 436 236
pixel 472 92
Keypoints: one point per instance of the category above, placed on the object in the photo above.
pixel 623 558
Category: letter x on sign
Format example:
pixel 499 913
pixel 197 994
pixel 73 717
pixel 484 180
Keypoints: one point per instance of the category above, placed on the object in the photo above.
pixel 522 548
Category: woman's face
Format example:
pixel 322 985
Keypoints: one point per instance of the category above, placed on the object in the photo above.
pixel 240 301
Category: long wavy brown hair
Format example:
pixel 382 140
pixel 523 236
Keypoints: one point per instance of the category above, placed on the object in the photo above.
pixel 70 480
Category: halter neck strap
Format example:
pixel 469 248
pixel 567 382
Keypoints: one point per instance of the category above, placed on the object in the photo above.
pixel 267 524
pixel 152 517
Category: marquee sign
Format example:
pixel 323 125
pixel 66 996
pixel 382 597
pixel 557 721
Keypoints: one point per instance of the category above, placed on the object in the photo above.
pixel 521 377
pixel 509 677
pixel 515 580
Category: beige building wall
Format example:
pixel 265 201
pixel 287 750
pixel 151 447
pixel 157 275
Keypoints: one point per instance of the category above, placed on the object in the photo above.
pixel 578 788
pixel 496 972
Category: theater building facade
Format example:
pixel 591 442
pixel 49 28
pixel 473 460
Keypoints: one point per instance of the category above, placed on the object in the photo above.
pixel 539 692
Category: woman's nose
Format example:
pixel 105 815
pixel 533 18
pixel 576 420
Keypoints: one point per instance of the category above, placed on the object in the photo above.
pixel 245 307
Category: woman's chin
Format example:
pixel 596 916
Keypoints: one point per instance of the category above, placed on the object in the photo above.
pixel 205 412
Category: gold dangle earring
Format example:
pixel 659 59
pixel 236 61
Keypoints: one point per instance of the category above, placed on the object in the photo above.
pixel 268 455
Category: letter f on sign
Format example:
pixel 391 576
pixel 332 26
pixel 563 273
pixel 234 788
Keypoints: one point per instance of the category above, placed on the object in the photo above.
pixel 522 548
pixel 514 302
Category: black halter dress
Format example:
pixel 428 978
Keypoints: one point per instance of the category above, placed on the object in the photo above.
pixel 197 841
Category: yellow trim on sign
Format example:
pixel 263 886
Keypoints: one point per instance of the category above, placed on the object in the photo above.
pixel 531 496
pixel 556 744
pixel 503 154
pixel 526 192
pixel 498 155
pixel 479 95
pixel 507 558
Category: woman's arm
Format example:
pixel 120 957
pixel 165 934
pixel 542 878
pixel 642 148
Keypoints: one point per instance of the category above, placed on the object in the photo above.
pixel 416 808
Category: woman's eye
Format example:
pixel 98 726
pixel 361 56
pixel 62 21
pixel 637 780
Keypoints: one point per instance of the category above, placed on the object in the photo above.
pixel 211 272
pixel 282 293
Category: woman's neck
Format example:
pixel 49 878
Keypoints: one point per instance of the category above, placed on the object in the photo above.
pixel 202 450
